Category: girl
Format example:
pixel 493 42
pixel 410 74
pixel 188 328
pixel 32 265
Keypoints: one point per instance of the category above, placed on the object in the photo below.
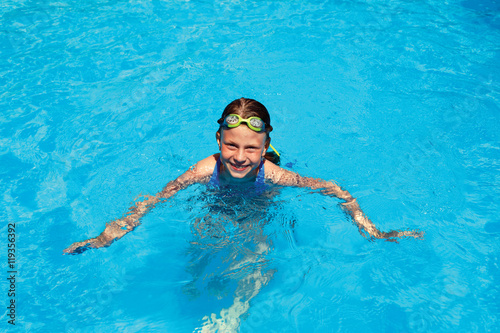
pixel 241 172
pixel 243 139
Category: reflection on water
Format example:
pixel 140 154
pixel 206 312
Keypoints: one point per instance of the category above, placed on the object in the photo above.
pixel 228 253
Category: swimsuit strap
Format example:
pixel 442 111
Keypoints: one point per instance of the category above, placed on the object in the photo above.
pixel 261 175
pixel 260 185
pixel 214 180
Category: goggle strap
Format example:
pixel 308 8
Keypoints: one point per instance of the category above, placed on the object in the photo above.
pixel 270 145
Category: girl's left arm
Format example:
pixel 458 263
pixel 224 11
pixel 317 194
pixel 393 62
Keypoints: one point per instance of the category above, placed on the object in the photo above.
pixel 287 178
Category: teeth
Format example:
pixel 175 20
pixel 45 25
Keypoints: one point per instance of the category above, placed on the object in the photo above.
pixel 239 167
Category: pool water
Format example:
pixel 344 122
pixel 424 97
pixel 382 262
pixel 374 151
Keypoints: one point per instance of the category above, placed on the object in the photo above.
pixel 398 102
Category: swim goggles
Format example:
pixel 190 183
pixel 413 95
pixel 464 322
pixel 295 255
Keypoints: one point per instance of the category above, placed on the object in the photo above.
pixel 254 123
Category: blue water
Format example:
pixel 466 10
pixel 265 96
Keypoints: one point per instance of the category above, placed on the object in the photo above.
pixel 397 101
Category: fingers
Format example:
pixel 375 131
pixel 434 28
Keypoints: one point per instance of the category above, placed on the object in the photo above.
pixel 78 247
pixel 393 235
pixel 412 233
pixel 360 229
pixel 407 233
pixel 75 249
pixel 78 250
pixel 393 240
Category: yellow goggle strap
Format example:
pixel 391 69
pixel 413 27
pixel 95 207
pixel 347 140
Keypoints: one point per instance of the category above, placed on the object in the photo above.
pixel 270 145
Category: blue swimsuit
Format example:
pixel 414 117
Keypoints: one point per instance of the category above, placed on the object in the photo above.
pixel 260 185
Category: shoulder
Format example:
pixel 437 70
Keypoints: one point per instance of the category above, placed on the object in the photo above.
pixel 280 176
pixel 203 169
pixel 206 165
pixel 198 173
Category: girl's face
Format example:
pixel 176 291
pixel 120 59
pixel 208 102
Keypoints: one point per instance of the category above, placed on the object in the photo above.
pixel 241 151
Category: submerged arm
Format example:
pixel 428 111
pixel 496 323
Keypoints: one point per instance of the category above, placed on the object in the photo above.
pixel 118 228
pixel 350 205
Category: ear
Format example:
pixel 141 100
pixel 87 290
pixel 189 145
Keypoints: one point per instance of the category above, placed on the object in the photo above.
pixel 217 137
pixel 266 145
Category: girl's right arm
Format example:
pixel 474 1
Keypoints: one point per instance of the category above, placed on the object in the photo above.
pixel 116 229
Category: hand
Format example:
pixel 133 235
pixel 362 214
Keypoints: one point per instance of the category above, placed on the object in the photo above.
pixel 412 233
pixel 80 247
pixel 393 234
pixel 114 230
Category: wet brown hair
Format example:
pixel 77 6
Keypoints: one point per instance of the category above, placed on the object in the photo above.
pixel 246 108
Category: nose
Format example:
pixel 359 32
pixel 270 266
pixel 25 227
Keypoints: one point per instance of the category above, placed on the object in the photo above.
pixel 240 157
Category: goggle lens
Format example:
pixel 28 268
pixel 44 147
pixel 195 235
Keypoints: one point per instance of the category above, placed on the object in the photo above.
pixel 256 122
pixel 232 120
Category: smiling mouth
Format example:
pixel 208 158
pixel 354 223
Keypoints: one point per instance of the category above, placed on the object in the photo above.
pixel 238 167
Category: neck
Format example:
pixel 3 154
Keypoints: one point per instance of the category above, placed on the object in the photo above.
pixel 225 176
